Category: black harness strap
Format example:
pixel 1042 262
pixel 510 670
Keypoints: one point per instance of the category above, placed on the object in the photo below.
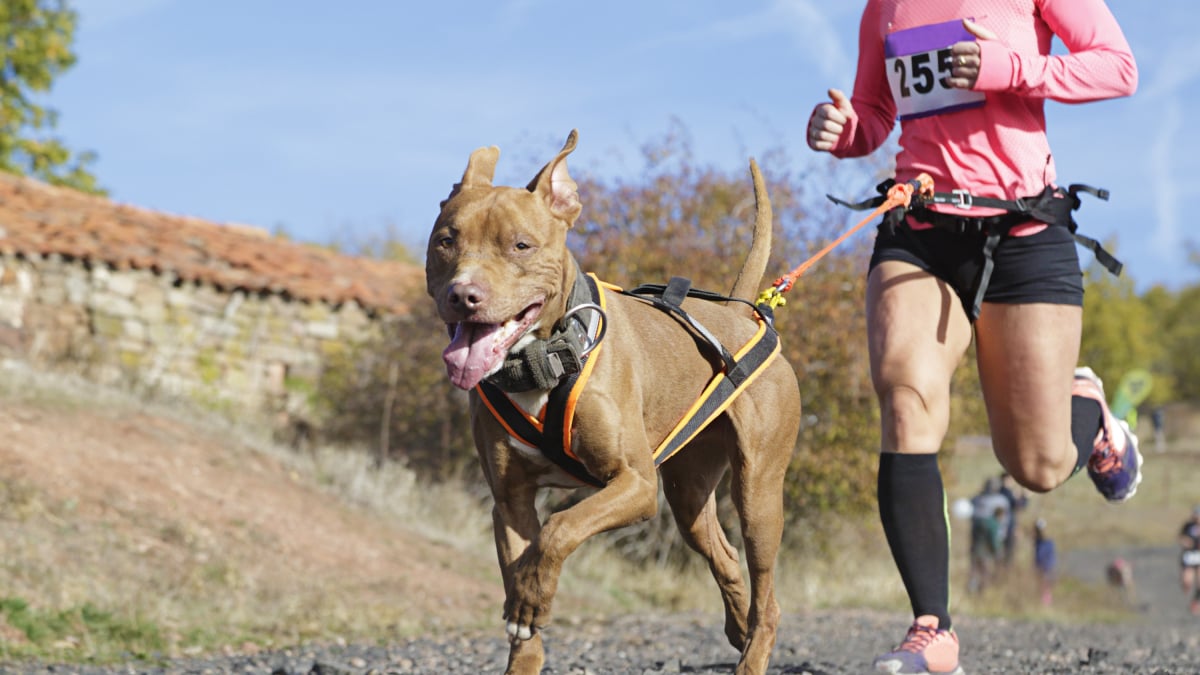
pixel 728 382
pixel 670 298
pixel 720 393
pixel 1053 206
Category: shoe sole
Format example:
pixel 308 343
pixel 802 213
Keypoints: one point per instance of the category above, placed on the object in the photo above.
pixel 893 667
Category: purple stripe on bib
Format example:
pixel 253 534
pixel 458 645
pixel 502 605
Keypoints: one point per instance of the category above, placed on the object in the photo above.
pixel 925 38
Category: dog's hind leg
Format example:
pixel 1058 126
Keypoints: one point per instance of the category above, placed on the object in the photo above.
pixel 690 489
pixel 756 487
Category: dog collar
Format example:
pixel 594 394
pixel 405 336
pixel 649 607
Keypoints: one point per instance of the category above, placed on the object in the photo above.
pixel 542 364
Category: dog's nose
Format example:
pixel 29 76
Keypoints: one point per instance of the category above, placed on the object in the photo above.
pixel 466 297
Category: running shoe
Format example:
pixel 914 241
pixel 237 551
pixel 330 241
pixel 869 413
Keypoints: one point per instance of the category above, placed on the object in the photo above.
pixel 1116 465
pixel 926 650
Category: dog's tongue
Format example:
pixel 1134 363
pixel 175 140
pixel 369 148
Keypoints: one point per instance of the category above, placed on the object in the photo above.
pixel 472 353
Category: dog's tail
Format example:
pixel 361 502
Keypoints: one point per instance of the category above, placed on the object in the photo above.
pixel 749 278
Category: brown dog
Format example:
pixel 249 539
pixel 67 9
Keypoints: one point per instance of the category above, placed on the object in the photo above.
pixel 500 273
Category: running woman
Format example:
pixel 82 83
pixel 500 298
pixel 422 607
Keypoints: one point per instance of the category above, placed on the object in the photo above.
pixel 968 80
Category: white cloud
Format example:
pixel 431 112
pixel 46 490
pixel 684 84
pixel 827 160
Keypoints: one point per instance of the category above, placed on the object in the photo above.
pixel 514 12
pixel 1166 236
pixel 1173 88
pixel 815 32
pixel 810 25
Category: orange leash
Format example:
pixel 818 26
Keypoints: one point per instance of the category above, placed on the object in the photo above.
pixel 900 194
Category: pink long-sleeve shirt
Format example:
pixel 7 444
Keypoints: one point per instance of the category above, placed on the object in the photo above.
pixel 990 141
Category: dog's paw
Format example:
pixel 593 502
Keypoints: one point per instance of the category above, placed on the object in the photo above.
pixel 524 620
pixel 518 632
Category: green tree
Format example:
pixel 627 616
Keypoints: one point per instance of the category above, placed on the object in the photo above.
pixel 1178 332
pixel 1119 330
pixel 36 38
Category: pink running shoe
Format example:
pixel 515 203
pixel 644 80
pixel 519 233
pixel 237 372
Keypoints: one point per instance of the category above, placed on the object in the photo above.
pixel 1116 465
pixel 926 650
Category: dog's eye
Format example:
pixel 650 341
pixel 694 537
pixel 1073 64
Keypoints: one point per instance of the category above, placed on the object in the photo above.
pixel 523 246
pixel 445 242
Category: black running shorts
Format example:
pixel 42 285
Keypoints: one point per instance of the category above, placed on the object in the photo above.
pixel 1038 268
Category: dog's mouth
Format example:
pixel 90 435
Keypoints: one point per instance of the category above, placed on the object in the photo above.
pixel 477 350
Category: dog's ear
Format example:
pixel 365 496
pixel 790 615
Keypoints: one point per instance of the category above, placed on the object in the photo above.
pixel 555 185
pixel 481 167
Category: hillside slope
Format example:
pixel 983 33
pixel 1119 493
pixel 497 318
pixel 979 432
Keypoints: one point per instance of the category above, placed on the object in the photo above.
pixel 169 517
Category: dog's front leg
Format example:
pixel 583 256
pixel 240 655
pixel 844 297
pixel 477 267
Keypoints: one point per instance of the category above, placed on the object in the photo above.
pixel 629 496
pixel 515 524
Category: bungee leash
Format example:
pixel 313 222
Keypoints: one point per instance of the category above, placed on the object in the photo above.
pixel 900 194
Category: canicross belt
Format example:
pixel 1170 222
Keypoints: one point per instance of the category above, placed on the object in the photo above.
pixel 550 432
pixel 1053 206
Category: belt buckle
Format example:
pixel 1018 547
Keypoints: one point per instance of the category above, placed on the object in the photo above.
pixel 965 201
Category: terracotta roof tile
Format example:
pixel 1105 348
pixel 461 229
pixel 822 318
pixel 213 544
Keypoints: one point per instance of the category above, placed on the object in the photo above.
pixel 43 219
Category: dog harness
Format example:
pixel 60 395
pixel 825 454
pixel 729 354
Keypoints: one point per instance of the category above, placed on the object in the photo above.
pixel 550 431
pixel 1053 206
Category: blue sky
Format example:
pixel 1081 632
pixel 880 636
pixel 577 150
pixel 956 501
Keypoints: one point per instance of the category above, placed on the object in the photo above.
pixel 338 121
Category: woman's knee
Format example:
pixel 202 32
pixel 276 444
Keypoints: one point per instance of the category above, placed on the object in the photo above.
pixel 912 422
pixel 1038 476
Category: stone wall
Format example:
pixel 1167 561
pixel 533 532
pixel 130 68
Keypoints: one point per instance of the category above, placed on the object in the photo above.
pixel 258 352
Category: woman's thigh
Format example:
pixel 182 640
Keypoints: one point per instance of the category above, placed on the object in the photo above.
pixel 917 334
pixel 1027 355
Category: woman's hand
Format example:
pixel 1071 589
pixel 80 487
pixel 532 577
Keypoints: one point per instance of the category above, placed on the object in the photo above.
pixel 966 57
pixel 828 121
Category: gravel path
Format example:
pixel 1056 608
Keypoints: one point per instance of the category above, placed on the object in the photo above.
pixel 820 643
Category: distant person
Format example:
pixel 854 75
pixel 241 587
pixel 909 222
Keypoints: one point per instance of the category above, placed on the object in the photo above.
pixel 1017 501
pixel 1045 562
pixel 1120 577
pixel 1189 559
pixel 1159 419
pixel 989 522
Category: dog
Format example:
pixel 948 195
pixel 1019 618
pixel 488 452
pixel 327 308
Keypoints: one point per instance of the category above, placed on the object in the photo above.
pixel 502 278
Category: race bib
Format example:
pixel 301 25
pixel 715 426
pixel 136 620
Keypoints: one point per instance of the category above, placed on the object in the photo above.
pixel 1191 558
pixel 917 60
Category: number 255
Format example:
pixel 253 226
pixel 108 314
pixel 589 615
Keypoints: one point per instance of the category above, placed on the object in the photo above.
pixel 922 75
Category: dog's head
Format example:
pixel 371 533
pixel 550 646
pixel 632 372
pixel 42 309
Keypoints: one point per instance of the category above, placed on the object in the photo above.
pixel 497 264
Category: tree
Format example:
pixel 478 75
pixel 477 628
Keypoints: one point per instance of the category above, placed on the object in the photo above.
pixel 1119 331
pixel 1178 333
pixel 36 38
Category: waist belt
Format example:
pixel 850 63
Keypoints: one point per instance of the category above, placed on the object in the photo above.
pixel 1052 206
pixel 551 431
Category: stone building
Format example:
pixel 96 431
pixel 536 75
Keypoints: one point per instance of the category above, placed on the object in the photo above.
pixel 223 315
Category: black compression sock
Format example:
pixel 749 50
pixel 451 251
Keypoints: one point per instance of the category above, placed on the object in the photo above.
pixel 912 508
pixel 1086 418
